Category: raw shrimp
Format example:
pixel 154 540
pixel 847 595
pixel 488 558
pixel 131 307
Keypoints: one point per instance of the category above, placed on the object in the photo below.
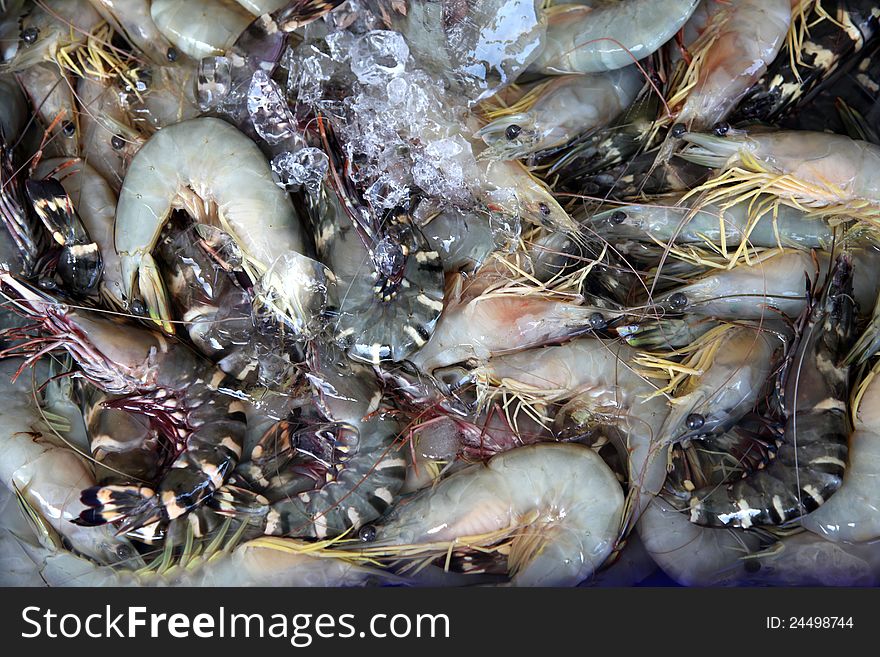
pixel 748 291
pixel 664 221
pixel 490 324
pixel 809 465
pixel 50 32
pixel 593 39
pixel 219 176
pixel 714 400
pixel 48 476
pixel 815 170
pixel 562 503
pixel 181 393
pixel 95 203
pixel 853 513
pixel 741 40
pixel 827 45
pixel 131 19
pixel 564 108
pixel 200 28
pixel 598 377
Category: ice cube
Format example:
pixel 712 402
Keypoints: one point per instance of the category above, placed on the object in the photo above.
pixel 269 110
pixel 379 55
pixel 306 167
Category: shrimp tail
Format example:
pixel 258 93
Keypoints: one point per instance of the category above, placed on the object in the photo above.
pixel 134 505
pixel 80 264
pixel 236 502
pixel 153 292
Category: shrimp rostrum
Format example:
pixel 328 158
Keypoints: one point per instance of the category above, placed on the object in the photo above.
pixel 158 378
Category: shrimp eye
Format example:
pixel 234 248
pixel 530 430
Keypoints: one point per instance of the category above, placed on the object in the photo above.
pixel 721 129
pixel 138 308
pixel 678 300
pixel 544 208
pixel 367 533
pixel 618 217
pixel 172 54
pixel 512 131
pixel 123 551
pixel 30 34
pixel 678 130
pixel 68 128
pixel 597 321
pixel 117 142
pixel 694 421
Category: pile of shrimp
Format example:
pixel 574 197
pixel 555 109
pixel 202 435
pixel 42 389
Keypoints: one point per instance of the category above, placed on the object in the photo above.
pixel 399 293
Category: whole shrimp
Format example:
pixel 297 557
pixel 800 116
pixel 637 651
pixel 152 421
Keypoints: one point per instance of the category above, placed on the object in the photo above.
pixel 219 176
pixel 747 291
pixel 598 377
pixel 809 466
pixel 590 39
pixel 714 400
pixel 564 108
pixel 362 487
pixel 50 477
pixel 741 40
pixel 158 378
pixel 852 514
pixel 478 326
pixel 200 28
pixel 561 501
pixel 665 221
